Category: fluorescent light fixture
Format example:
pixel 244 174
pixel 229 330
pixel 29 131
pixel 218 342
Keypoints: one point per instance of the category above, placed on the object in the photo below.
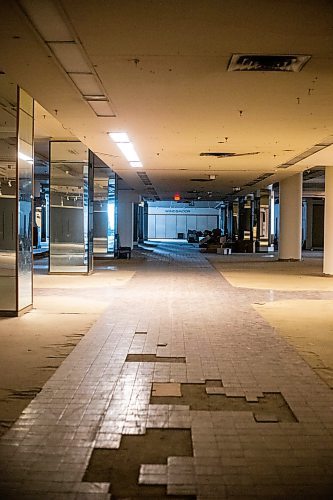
pixel 119 137
pixel 86 83
pixel 101 108
pixel 128 151
pixel 95 97
pixel 70 57
pixel 40 14
pixel 126 147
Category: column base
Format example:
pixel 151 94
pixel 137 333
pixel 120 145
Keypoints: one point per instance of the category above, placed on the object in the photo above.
pixel 290 260
pixel 88 273
pixel 15 314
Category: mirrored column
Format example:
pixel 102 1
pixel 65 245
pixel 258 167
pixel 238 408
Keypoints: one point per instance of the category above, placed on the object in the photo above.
pixel 105 191
pixel 16 198
pixel 71 211
pixel 262 227
pixel 25 195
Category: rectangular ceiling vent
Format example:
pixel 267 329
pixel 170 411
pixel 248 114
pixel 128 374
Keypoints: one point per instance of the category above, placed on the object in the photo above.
pixel 150 190
pixel 267 62
pixel 308 152
pixel 259 179
pixel 144 178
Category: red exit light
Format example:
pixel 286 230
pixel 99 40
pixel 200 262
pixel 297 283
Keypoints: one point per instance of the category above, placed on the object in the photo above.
pixel 176 196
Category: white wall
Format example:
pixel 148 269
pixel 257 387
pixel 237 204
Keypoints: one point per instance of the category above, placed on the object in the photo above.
pixel 168 222
pixel 126 200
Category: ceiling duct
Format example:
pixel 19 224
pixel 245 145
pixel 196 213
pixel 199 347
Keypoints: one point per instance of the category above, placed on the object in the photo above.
pixel 268 62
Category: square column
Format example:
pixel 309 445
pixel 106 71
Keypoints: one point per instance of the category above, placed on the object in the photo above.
pixel 126 200
pixel 71 208
pixel 290 240
pixel 16 201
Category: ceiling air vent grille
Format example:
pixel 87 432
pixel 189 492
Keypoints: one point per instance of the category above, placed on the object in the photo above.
pixel 150 190
pixel 268 62
pixel 259 179
pixel 144 178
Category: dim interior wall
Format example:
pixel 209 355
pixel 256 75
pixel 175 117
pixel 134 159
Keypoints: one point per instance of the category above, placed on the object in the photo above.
pixel 100 224
pixel 318 225
pixel 7 223
pixel 309 221
pixel 170 226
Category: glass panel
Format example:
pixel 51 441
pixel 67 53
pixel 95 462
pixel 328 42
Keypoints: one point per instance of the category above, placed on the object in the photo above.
pixel 264 218
pixel 25 197
pixel 8 211
pixel 100 216
pixel 104 208
pixel 8 222
pixel 69 207
pixel 26 103
pixel 111 214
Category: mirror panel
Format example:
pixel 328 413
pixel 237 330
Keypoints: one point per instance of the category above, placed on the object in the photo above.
pixel 70 188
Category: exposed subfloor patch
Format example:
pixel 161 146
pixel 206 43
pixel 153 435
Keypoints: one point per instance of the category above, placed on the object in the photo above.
pixel 267 407
pixel 121 467
pixel 152 358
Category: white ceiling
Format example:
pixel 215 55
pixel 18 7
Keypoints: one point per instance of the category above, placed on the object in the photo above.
pixel 163 64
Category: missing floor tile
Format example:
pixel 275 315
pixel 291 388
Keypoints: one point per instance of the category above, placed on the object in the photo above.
pixel 166 389
pixel 265 418
pixel 140 333
pixel 196 397
pixel 121 467
pixel 213 383
pixel 152 358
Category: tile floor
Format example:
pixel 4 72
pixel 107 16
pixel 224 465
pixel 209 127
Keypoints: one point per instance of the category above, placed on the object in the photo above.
pixel 188 310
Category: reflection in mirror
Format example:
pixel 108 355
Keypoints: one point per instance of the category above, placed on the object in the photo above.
pixel 104 209
pixel 25 197
pixel 16 190
pixel 70 186
pixel 8 214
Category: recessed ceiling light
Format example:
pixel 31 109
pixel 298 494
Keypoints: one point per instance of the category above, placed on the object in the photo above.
pixel 126 147
pixel 119 136
pixel 135 164
pixel 128 151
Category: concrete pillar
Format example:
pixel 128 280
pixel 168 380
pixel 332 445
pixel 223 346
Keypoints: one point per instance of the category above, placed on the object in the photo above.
pixel 126 200
pixel 328 222
pixel 290 242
